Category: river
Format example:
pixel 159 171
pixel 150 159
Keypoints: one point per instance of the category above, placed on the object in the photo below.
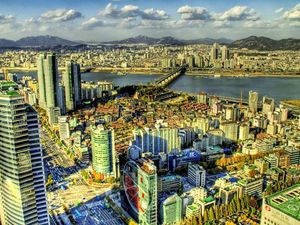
pixel 279 88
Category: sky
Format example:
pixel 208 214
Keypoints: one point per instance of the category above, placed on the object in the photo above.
pixel 102 20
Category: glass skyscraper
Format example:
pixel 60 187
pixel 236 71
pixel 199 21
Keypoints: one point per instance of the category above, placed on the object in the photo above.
pixel 22 185
pixel 72 83
pixel 103 151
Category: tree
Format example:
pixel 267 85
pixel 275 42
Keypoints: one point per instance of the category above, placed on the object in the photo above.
pixel 205 216
pixel 217 214
pixel 211 215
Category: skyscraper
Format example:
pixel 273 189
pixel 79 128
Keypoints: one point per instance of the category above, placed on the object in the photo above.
pixel 48 80
pixel 22 186
pixel 72 83
pixel 268 105
pixel 147 192
pixel 253 101
pixel 214 52
pixel 224 53
pixel 103 151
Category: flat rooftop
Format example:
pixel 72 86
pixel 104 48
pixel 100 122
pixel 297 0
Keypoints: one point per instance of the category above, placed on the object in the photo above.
pixel 287 201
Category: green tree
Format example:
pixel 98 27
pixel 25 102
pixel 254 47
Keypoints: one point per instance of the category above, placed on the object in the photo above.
pixel 211 214
pixel 205 216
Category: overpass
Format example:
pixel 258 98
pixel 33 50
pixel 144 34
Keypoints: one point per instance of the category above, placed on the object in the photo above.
pixel 169 78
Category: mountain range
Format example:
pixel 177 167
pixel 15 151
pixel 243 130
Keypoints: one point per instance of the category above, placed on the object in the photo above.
pixel 37 41
pixel 252 42
pixel 168 40
pixel 267 44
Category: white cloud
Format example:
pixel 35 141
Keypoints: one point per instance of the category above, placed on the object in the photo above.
pixel 238 13
pixel 133 11
pixel 95 22
pixel 293 14
pixel 194 13
pixel 152 14
pixel 279 10
pixel 5 19
pixel 222 24
pixel 59 15
pixel 259 24
pixel 112 11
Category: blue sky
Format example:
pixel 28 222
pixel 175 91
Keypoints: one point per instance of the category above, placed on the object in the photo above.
pixel 103 20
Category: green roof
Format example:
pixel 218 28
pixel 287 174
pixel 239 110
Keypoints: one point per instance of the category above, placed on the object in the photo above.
pixel 12 93
pixel 208 199
pixel 287 201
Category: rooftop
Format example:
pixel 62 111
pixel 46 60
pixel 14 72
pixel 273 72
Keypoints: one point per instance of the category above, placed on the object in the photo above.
pixel 287 201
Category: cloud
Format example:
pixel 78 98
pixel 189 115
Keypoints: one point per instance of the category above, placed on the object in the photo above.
pixel 279 10
pixel 238 13
pixel 127 11
pixel 194 13
pixel 294 24
pixel 5 19
pixel 293 14
pixel 133 11
pixel 259 24
pixel 95 22
pixel 59 15
pixel 152 14
pixel 222 24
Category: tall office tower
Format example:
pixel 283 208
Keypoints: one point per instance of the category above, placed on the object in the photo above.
pixel 268 105
pixel 72 83
pixel 253 101
pixel 214 52
pixel 22 187
pixel 147 192
pixel 61 99
pixel 103 151
pixel 37 165
pixel 171 210
pixel 225 53
pixel 48 80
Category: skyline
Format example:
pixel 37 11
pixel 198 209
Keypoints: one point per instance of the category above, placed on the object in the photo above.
pixel 114 20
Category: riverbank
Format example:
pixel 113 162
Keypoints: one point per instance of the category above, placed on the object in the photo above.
pixel 151 71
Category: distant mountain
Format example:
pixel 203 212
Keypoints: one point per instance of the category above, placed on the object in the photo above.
pixel 266 44
pixel 168 41
pixel 209 41
pixel 6 43
pixel 37 41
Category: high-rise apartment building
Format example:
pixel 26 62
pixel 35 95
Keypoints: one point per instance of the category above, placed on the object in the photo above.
pixel 268 105
pixel 158 139
pixel 214 52
pixel 72 83
pixel 224 53
pixel 103 151
pixel 253 101
pixel 22 186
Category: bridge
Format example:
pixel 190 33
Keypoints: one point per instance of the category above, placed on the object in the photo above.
pixel 169 78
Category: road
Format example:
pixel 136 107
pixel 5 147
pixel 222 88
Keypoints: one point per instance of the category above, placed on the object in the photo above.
pixel 69 188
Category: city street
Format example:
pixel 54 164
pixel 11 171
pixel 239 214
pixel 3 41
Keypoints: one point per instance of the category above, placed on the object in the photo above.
pixel 69 188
